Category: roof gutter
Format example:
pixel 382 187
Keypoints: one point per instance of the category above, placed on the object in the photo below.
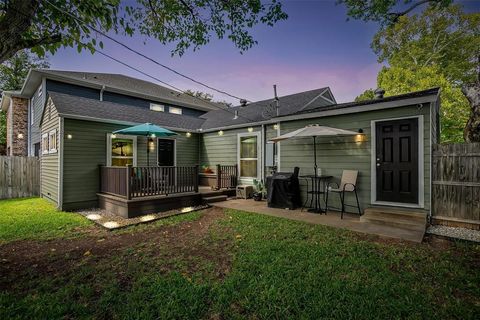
pixel 127 123
pixel 331 112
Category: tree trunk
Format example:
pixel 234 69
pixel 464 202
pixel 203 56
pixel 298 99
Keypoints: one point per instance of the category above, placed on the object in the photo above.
pixel 472 129
pixel 15 22
pixel 472 93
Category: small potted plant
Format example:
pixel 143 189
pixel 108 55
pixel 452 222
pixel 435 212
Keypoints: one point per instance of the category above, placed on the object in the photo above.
pixel 206 169
pixel 260 190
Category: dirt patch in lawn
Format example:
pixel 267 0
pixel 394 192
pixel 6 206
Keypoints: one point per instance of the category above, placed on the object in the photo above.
pixel 190 241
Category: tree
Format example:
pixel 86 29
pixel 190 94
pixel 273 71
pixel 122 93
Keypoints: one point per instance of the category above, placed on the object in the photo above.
pixel 50 24
pixel 443 38
pixel 207 97
pixel 12 75
pixel 387 12
pixel 454 111
pixel 368 94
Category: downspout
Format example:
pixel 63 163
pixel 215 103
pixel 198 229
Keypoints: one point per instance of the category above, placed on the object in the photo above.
pixel 29 125
pixel 264 141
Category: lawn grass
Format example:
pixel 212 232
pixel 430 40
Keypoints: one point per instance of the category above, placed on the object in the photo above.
pixel 36 219
pixel 278 269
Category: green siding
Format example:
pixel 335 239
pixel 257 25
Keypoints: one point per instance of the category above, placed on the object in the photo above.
pixel 88 149
pixel 216 149
pixel 335 154
pixel 49 162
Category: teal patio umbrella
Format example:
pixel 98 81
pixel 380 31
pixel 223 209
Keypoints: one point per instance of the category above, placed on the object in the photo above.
pixel 147 130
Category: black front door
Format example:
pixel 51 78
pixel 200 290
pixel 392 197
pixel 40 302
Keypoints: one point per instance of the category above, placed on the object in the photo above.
pixel 166 152
pixel 397 160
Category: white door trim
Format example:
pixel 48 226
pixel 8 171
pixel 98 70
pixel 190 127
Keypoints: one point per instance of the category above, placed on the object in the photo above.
pixel 174 149
pixel 421 173
pixel 259 151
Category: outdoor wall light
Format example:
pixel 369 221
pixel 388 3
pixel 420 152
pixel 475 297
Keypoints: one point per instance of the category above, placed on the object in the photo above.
pixel 20 136
pixel 188 134
pixel 360 137
pixel 69 136
pixel 220 133
pixel 250 129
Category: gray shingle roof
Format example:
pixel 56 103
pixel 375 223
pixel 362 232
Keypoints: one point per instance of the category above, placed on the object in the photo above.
pixel 265 110
pixel 68 105
pixel 133 85
pixel 410 95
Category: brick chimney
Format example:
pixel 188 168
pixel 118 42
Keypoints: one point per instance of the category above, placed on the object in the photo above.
pixel 17 127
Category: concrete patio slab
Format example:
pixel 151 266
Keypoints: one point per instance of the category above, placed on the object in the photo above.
pixel 350 221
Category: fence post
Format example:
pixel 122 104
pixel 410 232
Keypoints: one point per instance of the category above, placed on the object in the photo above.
pixel 128 181
pixel 197 172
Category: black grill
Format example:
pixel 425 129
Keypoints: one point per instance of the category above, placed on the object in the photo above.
pixel 283 190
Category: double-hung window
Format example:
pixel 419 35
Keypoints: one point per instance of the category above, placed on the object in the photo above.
pixel 45 148
pixel 122 150
pixel 248 154
pixel 52 141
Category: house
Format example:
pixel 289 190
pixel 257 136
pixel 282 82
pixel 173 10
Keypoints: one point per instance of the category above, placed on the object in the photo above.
pixel 72 117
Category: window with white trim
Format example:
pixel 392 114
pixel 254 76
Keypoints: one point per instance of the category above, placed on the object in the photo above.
pixel 248 155
pixel 175 110
pixel 122 150
pixel 45 143
pixel 52 141
pixel 157 107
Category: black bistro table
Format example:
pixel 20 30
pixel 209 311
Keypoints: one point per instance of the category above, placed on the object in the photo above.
pixel 317 190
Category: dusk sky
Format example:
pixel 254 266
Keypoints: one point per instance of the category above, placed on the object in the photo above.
pixel 315 47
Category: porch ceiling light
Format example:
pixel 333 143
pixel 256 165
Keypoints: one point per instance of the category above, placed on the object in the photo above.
pixel 69 136
pixel 114 136
pixel 220 133
pixel 275 126
pixel 250 129
pixel 188 134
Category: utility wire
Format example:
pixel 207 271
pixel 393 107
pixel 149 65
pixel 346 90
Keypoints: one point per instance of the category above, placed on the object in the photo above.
pixel 143 55
pixel 215 105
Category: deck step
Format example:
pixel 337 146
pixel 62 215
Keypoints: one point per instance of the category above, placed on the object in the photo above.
pixel 215 199
pixel 400 218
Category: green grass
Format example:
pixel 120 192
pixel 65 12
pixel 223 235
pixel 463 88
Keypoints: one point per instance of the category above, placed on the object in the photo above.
pixel 35 218
pixel 279 269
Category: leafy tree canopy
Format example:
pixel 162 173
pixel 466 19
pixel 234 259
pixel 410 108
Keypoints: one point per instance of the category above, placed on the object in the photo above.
pixel 45 26
pixel 447 38
pixel 387 12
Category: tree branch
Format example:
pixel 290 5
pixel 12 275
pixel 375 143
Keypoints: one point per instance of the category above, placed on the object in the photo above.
pixel 394 16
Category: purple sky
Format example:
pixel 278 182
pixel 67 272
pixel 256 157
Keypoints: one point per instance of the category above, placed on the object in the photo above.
pixel 315 47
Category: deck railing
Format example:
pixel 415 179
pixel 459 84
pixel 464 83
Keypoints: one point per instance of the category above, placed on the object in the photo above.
pixel 227 176
pixel 135 182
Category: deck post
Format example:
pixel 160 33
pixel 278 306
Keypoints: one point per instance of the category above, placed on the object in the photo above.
pixel 128 181
pixel 219 177
pixel 197 177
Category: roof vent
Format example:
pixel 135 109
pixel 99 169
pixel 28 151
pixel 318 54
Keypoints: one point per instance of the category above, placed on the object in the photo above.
pixel 243 102
pixel 236 115
pixel 379 93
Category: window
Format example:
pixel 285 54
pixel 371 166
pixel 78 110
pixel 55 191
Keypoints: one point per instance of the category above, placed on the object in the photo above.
pixel 248 155
pixel 157 107
pixel 45 143
pixel 122 150
pixel 175 110
pixel 52 141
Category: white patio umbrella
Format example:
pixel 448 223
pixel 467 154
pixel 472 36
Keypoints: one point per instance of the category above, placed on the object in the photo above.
pixel 314 131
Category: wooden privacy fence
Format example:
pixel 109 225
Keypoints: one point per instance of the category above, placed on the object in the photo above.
pixel 19 177
pixel 456 184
